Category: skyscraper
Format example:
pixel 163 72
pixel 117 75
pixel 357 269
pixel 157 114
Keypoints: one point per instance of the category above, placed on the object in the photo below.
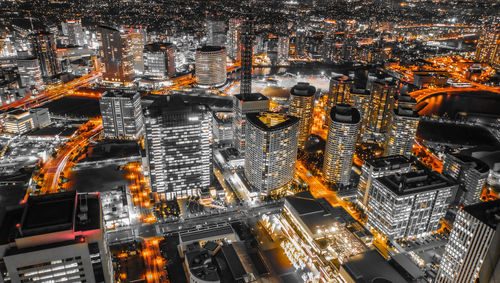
pixel 116 56
pixel 488 45
pixel 242 105
pixel 121 113
pixel 211 66
pixel 339 93
pixel 30 73
pixel 380 167
pixel 215 31
pixel 73 29
pixel 136 39
pixel 44 48
pixel 409 204
pixel 283 48
pixel 246 50
pixel 340 144
pixel 302 97
pixel 381 105
pixel 159 60
pixel 178 147
pixel 270 150
pixel 472 251
pixel 55 238
pixel 233 39
pixel 470 172
pixel 361 100
pixel 402 130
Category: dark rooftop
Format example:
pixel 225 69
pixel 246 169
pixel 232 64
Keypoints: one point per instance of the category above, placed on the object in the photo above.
pixel 255 96
pixel 477 164
pixel 206 233
pixel 119 93
pixel 486 212
pixel 210 48
pixel 393 162
pixel 345 113
pixel 233 262
pixel 303 89
pixel 371 267
pixel 158 47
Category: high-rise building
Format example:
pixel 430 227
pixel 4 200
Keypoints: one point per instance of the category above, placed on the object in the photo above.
pixel 55 238
pixel 242 105
pixel 270 150
pixel 380 167
pixel 116 56
pixel 283 48
pixel 361 100
pixel 136 39
pixel 411 204
pixel 246 50
pixel 339 93
pixel 473 249
pixel 340 144
pixel 215 31
pixel 488 45
pixel 178 147
pixel 233 39
pixel 302 97
pixel 44 48
pixel 470 172
pixel 121 113
pixel 74 31
pixel 211 66
pixel 30 73
pixel 402 130
pixel 381 105
pixel 159 60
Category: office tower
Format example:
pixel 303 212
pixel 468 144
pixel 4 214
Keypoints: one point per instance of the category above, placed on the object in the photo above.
pixel 215 31
pixel 136 39
pixel 340 144
pixel 302 97
pixel 283 48
pixel 300 40
pixel 470 172
pixel 488 45
pixel 121 113
pixel 242 105
pixel 74 31
pixel 473 249
pixel 19 121
pixel 361 100
pixel 211 66
pixel 222 127
pixel 339 93
pixel 178 147
pixel 246 51
pixel 44 48
pixel 380 167
pixel 159 60
pixel 55 238
pixel 409 204
pixel 270 150
pixel 381 105
pixel 30 73
pixel 233 38
pixel 401 133
pixel 116 56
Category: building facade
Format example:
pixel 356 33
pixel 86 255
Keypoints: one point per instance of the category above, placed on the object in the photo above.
pixel 121 113
pixel 246 56
pixel 242 105
pixel 381 105
pixel 302 97
pixel 270 150
pixel 211 66
pixel 178 146
pixel 159 60
pixel 215 31
pixel 340 144
pixel 472 252
pixel 44 48
pixel 488 45
pixel 116 55
pixel 401 134
pixel 339 92
pixel 30 73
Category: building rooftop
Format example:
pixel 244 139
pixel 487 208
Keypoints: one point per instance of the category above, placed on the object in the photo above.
pixel 233 262
pixel 270 121
pixel 475 163
pixel 406 112
pixel 486 212
pixel 119 93
pixel 371 267
pixel 205 233
pixel 255 96
pixel 158 47
pixel 390 162
pixel 303 89
pixel 209 48
pixel 417 180
pixel 345 113
pixel 201 265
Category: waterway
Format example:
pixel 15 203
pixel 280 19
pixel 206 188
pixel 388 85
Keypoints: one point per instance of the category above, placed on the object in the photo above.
pixel 450 104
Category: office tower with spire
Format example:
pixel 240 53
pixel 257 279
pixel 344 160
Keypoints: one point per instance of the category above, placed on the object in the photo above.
pixel 473 249
pixel 44 48
pixel 471 173
pixel 270 150
pixel 121 113
pixel 401 133
pixel 210 66
pixel 116 56
pixel 246 50
pixel 242 105
pixel 340 144
pixel 178 147
pixel 302 97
